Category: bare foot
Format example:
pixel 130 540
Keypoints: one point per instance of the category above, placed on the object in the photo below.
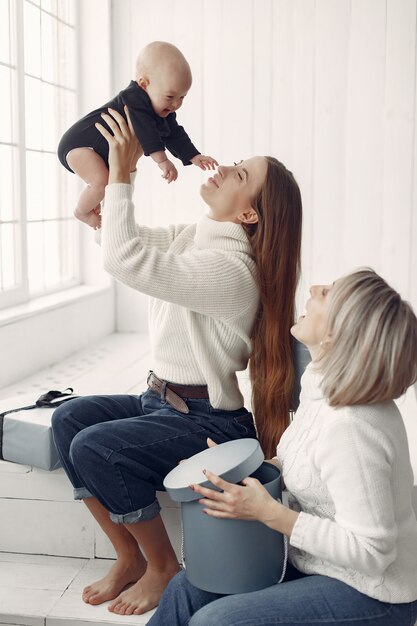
pixel 145 594
pixel 93 218
pixel 121 573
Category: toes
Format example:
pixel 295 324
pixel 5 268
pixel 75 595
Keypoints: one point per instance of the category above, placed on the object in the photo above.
pixel 86 593
pixel 94 599
pixel 121 609
pixel 114 607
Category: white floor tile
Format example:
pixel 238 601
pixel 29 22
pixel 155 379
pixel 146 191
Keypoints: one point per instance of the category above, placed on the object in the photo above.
pixel 38 590
pixel 7 467
pixel 27 607
pixel 71 607
pixel 92 570
pixel 41 559
pixel 36 576
pixel 55 528
pixel 103 547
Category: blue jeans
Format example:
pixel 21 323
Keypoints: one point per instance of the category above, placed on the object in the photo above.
pixel 119 448
pixel 299 600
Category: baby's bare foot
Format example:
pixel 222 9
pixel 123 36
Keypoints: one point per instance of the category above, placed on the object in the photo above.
pixel 121 573
pixel 93 218
pixel 145 594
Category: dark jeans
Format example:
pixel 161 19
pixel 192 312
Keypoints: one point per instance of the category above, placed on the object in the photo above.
pixel 298 601
pixel 119 448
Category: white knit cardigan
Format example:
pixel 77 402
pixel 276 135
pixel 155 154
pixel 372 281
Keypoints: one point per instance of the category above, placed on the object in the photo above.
pixel 204 296
pixel 348 471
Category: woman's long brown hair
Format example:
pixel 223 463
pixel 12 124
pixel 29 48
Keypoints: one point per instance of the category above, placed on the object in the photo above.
pixel 276 245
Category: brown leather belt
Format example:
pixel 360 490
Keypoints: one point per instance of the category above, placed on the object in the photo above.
pixel 174 394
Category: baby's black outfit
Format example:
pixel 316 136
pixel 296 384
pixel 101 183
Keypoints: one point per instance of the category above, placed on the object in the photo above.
pixel 154 133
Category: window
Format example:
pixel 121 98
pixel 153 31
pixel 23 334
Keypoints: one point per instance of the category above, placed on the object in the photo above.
pixel 38 78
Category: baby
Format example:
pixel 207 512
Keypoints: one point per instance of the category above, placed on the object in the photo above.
pixel 163 78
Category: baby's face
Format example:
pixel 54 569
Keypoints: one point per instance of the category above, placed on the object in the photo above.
pixel 166 92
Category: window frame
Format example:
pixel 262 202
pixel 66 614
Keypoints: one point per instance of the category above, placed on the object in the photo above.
pixel 21 292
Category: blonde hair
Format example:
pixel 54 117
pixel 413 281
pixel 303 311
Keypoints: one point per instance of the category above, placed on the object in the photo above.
pixel 371 355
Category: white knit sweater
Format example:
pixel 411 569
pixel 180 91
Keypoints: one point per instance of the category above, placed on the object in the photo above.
pixel 204 295
pixel 348 471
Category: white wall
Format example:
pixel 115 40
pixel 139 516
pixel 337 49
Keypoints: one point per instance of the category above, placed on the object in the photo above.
pixel 50 329
pixel 326 86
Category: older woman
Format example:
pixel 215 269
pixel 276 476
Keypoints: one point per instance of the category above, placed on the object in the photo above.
pixel 217 289
pixel 350 525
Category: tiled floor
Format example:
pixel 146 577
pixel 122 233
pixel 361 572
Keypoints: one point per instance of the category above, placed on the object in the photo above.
pixel 46 591
pixel 40 590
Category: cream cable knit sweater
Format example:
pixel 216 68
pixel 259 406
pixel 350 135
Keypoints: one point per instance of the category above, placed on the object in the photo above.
pixel 349 473
pixel 202 282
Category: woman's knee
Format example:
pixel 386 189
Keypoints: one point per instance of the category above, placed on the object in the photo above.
pixel 58 417
pixel 179 602
pixel 207 617
pixel 64 427
pixel 76 414
pixel 82 446
pixel 199 619
pixel 177 584
pixel 67 415
pixel 227 610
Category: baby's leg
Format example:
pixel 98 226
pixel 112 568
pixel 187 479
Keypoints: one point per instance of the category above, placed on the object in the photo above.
pixel 89 166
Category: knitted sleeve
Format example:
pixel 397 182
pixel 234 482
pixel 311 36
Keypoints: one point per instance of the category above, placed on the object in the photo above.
pixel 158 237
pixel 354 460
pixel 209 281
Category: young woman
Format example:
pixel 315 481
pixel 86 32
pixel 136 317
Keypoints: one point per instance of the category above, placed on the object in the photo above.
pixel 217 288
pixel 350 524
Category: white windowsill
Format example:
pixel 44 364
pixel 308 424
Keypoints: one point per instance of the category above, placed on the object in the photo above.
pixel 47 303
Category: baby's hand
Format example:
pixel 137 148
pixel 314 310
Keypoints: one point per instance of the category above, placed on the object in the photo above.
pixel 204 162
pixel 169 171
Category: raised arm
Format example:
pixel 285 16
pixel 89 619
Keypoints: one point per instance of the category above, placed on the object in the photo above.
pixel 124 147
pixel 206 281
pixel 124 152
